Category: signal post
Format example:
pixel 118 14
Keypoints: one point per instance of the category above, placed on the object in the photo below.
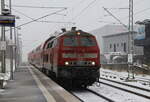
pixel 6 20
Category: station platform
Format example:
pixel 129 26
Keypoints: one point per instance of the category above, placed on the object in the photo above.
pixel 30 85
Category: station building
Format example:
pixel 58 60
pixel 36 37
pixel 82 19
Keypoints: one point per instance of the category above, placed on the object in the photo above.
pixel 114 40
pixel 120 43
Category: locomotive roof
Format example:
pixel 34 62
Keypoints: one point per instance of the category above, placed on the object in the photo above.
pixel 68 33
pixel 72 33
pixel 50 38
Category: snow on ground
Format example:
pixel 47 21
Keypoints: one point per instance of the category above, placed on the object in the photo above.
pixel 120 76
pixel 2 90
pixel 118 95
pixel 89 97
pixel 6 76
pixel 127 87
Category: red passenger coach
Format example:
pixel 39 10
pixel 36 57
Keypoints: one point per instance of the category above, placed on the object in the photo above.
pixel 72 55
pixel 35 57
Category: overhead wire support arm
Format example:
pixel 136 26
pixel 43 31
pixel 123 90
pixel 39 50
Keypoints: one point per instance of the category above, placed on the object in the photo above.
pixel 115 17
pixel 118 8
pixel 56 22
pixel 24 6
pixel 34 20
pixel 42 20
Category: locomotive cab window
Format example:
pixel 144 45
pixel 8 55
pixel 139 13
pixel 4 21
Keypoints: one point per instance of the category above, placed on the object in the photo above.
pixel 70 41
pixel 87 41
pixel 50 44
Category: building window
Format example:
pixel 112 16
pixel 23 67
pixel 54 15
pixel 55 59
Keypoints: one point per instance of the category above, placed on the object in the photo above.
pixel 114 47
pixel 122 44
pixel 110 46
pixel 118 45
pixel 45 58
pixel 124 47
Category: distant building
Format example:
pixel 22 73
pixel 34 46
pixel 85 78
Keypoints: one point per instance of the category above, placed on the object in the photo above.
pixel 107 30
pixel 113 39
pixel 120 43
pixel 117 47
pixel 144 39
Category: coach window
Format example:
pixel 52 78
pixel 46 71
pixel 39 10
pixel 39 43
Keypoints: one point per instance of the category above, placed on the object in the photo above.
pixel 46 58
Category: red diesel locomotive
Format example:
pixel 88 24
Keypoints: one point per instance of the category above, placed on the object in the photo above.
pixel 73 55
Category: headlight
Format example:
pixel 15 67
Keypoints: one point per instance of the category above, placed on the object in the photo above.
pixel 93 63
pixel 66 63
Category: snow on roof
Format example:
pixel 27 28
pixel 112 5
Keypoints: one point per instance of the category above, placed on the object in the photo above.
pixel 109 30
pixel 118 34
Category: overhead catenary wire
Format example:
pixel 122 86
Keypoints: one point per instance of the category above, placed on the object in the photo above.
pixel 115 18
pixel 74 6
pixel 138 12
pixel 141 11
pixel 79 14
pixel 137 2
pixel 56 22
pixel 40 21
pixel 34 20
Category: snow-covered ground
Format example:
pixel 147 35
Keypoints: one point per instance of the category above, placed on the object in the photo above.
pixel 118 95
pixel 2 90
pixel 6 76
pixel 121 76
pixel 115 94
pixel 112 93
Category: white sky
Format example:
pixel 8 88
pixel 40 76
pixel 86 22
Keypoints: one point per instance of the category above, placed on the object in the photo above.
pixel 35 33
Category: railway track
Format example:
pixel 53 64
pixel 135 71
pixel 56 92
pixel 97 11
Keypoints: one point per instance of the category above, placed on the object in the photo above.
pixel 90 92
pixel 99 95
pixel 148 90
pixel 128 88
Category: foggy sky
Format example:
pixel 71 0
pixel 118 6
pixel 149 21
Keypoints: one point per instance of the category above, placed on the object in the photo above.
pixel 86 19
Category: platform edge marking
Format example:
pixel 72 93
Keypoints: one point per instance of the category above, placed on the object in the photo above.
pixel 45 92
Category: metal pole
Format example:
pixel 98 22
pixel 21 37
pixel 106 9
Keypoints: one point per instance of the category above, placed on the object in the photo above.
pixel 15 48
pixel 3 39
pixel 130 39
pixel 11 47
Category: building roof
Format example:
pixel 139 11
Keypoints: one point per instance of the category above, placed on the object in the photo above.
pixel 109 30
pixel 118 34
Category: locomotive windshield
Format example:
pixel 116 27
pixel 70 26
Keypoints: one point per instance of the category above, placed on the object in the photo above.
pixel 87 41
pixel 70 41
pixel 79 41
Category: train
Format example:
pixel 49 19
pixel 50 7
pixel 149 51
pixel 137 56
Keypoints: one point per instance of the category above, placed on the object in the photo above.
pixel 71 56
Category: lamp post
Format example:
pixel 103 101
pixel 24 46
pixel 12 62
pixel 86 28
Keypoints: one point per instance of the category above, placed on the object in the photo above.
pixel 17 47
pixel 11 47
pixel 3 43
